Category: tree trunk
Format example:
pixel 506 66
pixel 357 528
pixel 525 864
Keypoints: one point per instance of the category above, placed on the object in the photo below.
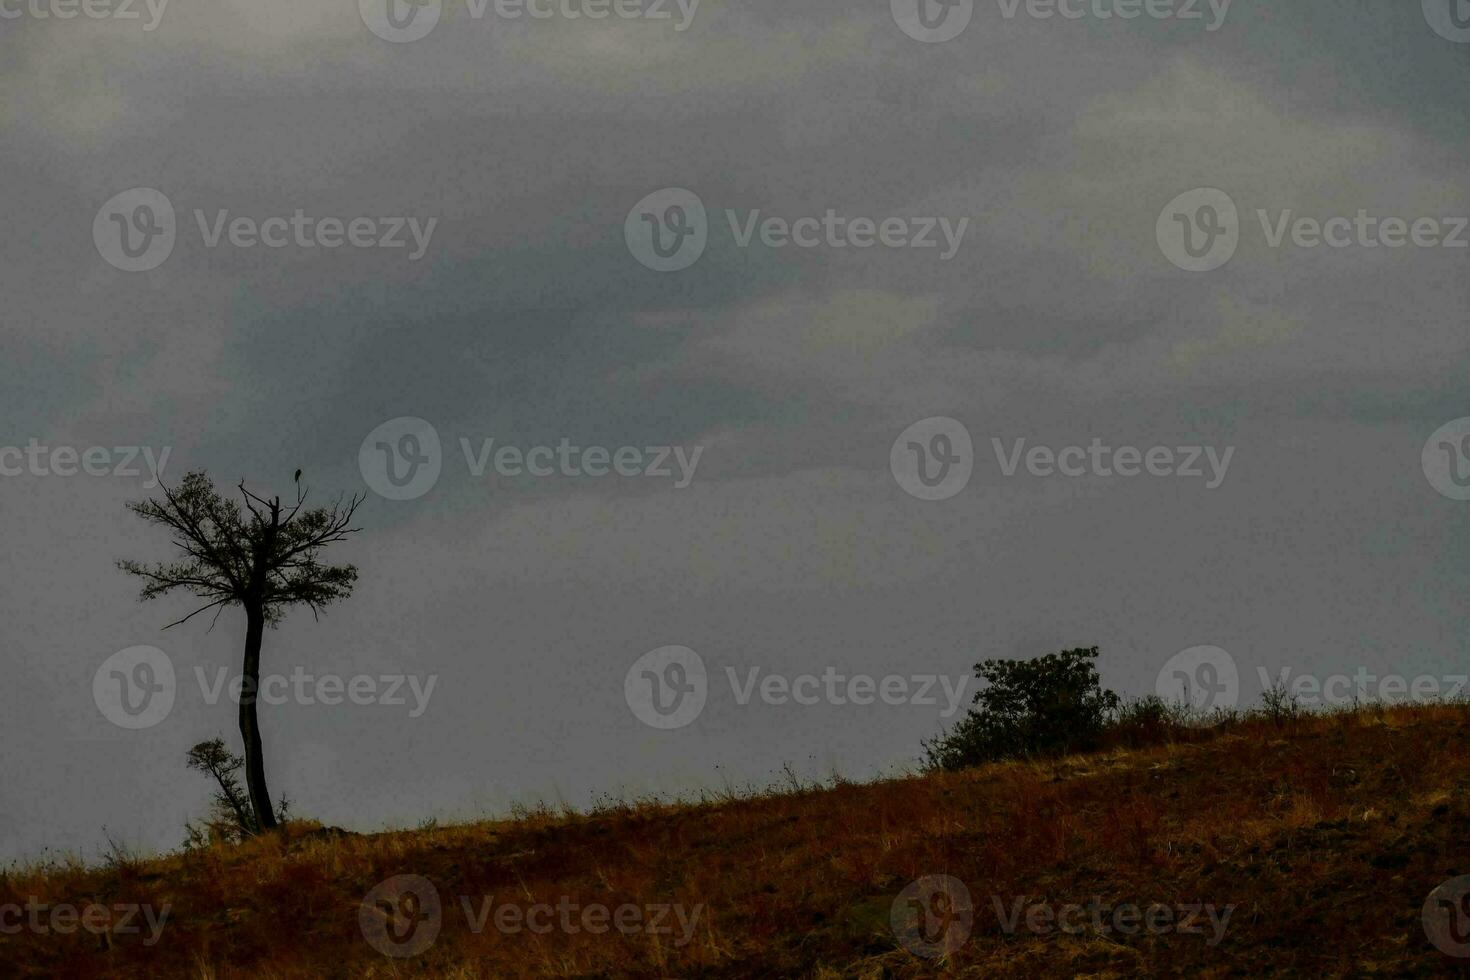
pixel 260 798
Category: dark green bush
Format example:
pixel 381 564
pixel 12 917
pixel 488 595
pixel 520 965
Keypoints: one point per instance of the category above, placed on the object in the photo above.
pixel 1052 705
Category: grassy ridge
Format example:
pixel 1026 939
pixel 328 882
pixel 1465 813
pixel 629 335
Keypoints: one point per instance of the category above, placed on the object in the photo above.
pixel 1323 833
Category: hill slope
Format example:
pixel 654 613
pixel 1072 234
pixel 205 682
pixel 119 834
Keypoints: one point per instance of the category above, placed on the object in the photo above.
pixel 1299 850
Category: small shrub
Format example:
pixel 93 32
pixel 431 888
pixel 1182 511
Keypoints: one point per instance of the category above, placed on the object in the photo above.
pixel 1148 721
pixel 1052 705
pixel 231 818
pixel 1279 705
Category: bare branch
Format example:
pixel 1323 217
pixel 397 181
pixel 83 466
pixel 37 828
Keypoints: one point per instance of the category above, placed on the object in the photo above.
pixel 180 622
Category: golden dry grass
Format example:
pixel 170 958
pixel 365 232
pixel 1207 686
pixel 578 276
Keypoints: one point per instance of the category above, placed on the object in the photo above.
pixel 1325 833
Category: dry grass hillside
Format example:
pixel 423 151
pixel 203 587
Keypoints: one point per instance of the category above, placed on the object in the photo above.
pixel 1316 841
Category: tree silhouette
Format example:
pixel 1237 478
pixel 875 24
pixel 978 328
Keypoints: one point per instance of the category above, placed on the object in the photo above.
pixel 264 559
pixel 232 816
pixel 1051 705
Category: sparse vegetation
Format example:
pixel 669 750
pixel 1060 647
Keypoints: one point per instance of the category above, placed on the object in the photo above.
pixel 1279 704
pixel 1326 831
pixel 231 817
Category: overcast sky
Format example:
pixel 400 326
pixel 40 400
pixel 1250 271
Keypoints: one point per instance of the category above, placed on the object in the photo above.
pixel 1057 312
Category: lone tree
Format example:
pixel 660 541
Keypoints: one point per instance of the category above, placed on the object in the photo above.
pixel 263 559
